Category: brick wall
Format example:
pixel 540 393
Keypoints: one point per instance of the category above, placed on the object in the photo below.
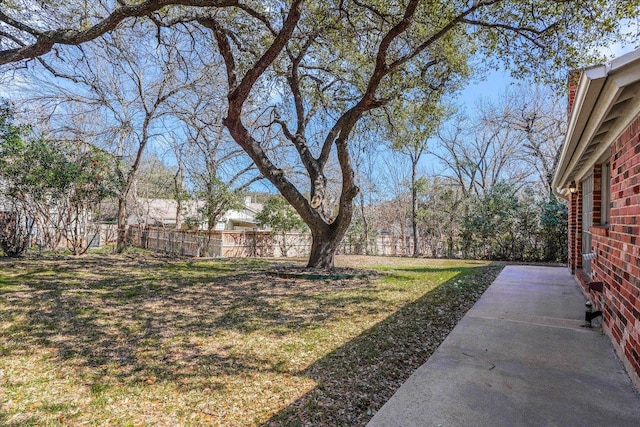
pixel 572 84
pixel 575 230
pixel 618 250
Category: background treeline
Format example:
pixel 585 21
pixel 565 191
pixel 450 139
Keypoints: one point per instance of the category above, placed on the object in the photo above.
pixel 482 187
pixel 88 134
pixel 346 110
pixel 478 186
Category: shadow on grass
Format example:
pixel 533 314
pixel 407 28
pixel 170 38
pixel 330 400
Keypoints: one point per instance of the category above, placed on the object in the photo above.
pixel 150 321
pixel 355 380
pixel 422 270
pixel 135 321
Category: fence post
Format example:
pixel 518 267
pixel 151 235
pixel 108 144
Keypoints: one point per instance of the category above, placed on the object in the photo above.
pixel 144 238
pixel 255 243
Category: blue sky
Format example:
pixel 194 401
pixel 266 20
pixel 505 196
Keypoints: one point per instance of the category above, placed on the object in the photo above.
pixel 497 82
pixel 494 85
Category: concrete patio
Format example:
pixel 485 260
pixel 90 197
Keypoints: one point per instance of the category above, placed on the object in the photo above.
pixel 520 357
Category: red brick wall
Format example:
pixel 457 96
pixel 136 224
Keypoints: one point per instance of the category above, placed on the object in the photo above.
pixel 597 194
pixel 573 80
pixel 618 249
pixel 575 230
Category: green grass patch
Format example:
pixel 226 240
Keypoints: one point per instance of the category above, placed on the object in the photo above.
pixel 146 340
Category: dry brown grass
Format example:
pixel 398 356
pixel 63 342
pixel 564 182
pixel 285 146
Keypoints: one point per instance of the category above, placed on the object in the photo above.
pixel 146 340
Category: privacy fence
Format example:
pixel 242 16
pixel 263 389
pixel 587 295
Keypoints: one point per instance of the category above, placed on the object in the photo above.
pixel 252 243
pixel 219 243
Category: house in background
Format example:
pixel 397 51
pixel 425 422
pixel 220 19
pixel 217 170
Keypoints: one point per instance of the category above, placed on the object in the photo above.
pixel 243 219
pixel 164 213
pixel 159 212
pixel 599 174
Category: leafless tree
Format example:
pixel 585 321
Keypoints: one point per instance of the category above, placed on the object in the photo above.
pixel 115 93
pixel 477 154
pixel 538 118
pixel 367 151
pixel 396 213
pixel 216 169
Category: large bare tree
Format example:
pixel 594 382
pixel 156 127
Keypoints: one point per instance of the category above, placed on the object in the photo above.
pixel 412 125
pixel 477 154
pixel 537 117
pixel 114 93
pixel 217 171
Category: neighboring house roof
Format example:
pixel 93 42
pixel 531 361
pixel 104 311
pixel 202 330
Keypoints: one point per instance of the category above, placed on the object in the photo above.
pixel 163 211
pixel 606 101
pixel 245 217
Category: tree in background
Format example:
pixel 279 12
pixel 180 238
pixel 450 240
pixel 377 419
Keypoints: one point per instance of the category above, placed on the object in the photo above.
pixel 477 154
pixel 554 223
pixel 114 93
pixel 155 180
pixel 395 211
pixel 281 218
pixel 15 227
pixel 92 179
pixel 491 221
pixel 513 139
pixel 412 124
pixel 15 232
pixel 367 151
pixel 218 172
pixel 333 65
pixel 439 216
pixel 537 118
pixel 53 186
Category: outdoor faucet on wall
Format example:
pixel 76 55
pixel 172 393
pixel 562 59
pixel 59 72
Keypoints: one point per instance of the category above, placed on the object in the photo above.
pixel 589 314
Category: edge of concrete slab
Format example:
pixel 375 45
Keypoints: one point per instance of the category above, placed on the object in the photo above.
pixel 485 374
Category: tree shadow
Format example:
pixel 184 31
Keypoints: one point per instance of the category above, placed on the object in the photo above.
pixel 355 380
pixel 142 321
pixel 139 320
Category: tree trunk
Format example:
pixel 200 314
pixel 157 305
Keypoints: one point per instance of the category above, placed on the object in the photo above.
pixel 403 233
pixel 414 209
pixel 284 244
pixel 365 224
pixel 121 243
pixel 323 249
pixel 325 239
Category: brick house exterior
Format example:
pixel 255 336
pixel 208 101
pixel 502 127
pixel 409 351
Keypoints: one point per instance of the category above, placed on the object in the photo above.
pixel 598 173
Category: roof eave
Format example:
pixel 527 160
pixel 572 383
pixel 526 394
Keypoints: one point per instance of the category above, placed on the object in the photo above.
pixel 589 87
pixel 599 91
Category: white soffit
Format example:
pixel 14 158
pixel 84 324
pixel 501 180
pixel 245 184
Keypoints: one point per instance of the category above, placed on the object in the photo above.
pixel 607 100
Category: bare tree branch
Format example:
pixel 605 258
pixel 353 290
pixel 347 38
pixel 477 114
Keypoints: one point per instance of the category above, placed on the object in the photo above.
pixel 45 40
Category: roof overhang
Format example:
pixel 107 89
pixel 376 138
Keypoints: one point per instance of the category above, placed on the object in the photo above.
pixel 607 100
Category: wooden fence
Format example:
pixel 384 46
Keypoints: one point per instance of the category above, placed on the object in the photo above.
pixel 219 243
pixel 238 244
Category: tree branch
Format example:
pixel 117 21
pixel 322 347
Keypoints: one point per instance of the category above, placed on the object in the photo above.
pixel 224 47
pixel 18 25
pixel 239 94
pixel 45 40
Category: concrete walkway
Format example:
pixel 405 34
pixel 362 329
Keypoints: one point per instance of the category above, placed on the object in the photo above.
pixel 519 357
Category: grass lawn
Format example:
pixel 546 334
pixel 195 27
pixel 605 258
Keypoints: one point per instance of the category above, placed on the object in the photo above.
pixel 149 341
